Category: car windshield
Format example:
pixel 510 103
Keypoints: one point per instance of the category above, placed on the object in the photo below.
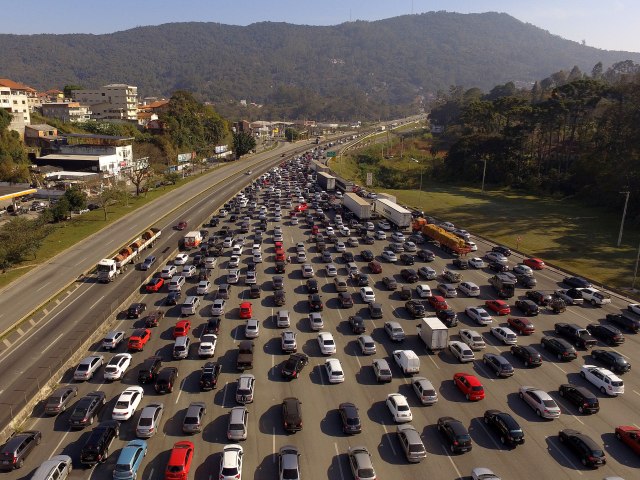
pixel 289 474
pixel 54 400
pixel 549 403
pixel 617 384
pixel 145 422
pixel 190 420
pixel 416 448
pixel 365 473
pixel 403 408
pixel 463 438
pixel 476 389
pixel 122 468
pixel 229 472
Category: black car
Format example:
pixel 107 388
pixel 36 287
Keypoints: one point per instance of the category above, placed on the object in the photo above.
pixel 448 317
pixel 166 380
pixel 498 267
pixel 362 280
pixel 455 434
pixel 357 324
pixel 613 360
pixel 527 307
pixel 294 365
pixel 407 259
pixel 213 325
pixel 404 293
pixel 347 257
pixel 209 376
pixel 254 291
pixel 136 309
pixel 624 321
pixel 499 364
pixel 86 410
pixel 529 355
pixel 279 298
pixel 153 319
pixel 312 285
pixel 375 310
pixel 415 308
pixel 390 283
pixel 280 267
pixel 173 297
pixel 540 298
pixel 581 397
pixel 589 452
pixel 292 414
pixel 350 418
pixel 251 266
pixel 96 448
pixel 426 255
pixel 345 300
pixel 461 263
pixel 506 251
pixel 14 452
pixel 149 370
pixel 505 425
pixel 278 282
pixel 562 349
pixel 409 274
pixel 576 282
pixel 368 239
pixel 315 303
pixel 367 255
pixel 607 333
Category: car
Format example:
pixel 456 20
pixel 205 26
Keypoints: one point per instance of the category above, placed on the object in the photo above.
pixel 527 307
pixel 390 283
pixel 529 355
pixel 289 463
pixel 96 446
pixel 181 225
pixel 136 309
pixel 153 318
pixel 154 285
pixel 427 273
pixel 588 451
pixel 605 380
pixel 113 339
pixel 394 331
pixel 294 365
pixel 423 291
pixel 315 321
pixel 415 308
pixel 381 370
pixel 500 307
pixel 595 297
pixel 233 277
pixel 397 236
pixel 234 261
pixel 540 401
pixel 506 251
pixel 478 315
pixel 477 262
pixel 612 359
pixel 292 414
pixel 218 307
pixel 498 267
pixel 407 259
pixel 117 366
pixel 505 335
pixel 127 403
pixel 213 325
pixel 634 308
pixel 522 269
pixel 180 458
pixel 361 464
pixel 499 364
pixel 326 343
pixel 563 350
pixel 470 289
pixel 461 351
pixel 426 255
pixel 409 275
pixel 57 467
pixel 149 420
pixel 571 296
pixel 255 291
pixel 350 417
pixel 469 385
pixel 447 316
pixel 251 278
pixel 437 302
pixel 581 397
pixel 540 298
pixel 523 326
pixel 181 328
pixel 207 346
pixel 472 338
pixel 624 321
pixel 508 429
pixel 455 434
pixel 579 336
pixel 148 262
pixel 399 408
pixel 411 443
pixel 331 270
pixel 168 272
pixel 246 310
pixel 181 259
pixel 58 401
pixel 209 375
pixel 188 271
pixel 245 388
pixel 356 323
pixel 252 328
pixel 367 255
pixel 288 342
pixel 576 282
pixel 607 333
pixel 173 297
pixel 87 368
pixel 389 256
pixel 496 257
pixel 367 294
pixel 335 374
pixel 629 435
pixel 87 409
pixel 534 263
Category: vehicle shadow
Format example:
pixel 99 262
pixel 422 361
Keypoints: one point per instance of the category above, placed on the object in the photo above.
pixel 216 430
pixel 339 466
pixel 270 421
pixel 379 413
pixel 522 409
pixel 390 450
pixel 561 454
pixel 331 424
pixel 268 467
pixel 619 451
pixel 480 435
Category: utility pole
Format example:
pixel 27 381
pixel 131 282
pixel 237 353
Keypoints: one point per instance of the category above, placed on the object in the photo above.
pixel 635 270
pixel 484 173
pixel 624 214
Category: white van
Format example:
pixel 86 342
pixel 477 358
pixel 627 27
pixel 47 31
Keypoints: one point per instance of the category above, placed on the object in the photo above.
pixel 176 283
pixel 407 360
pixel 190 305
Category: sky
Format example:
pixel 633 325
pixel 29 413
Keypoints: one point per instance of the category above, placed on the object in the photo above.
pixel 606 24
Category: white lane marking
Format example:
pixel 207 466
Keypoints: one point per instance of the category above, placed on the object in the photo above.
pixel 384 427
pixel 446 452
pixel 358 360
pixel 430 357
pixel 335 446
pixel 485 371
pixel 59 443
pixel 180 389
pixel 558 367
pixel 96 302
pixel 564 407
pixel 273 445
pixel 224 395
pixel 636 392
pixel 53 343
pixel 44 285
pixel 566 459
pixel 490 435
pixel 151 473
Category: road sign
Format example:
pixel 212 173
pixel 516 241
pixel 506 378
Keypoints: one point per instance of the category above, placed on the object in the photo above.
pixel 369 179
pixel 331 153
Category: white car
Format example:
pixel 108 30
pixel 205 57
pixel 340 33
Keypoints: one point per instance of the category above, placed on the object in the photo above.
pixel 367 294
pixel 307 271
pixel 472 245
pixel 168 272
pixel 251 278
pixel 330 231
pixel 634 308
pixel 232 277
pixel 334 370
pixel 397 236
pixel 340 247
pixel 472 338
pixel 114 370
pixel 389 256
pixel 595 297
pixel 505 335
pixel 380 235
pixel 252 328
pixel 127 403
pixel 448 226
pixel 496 257
pixel 540 401
pixel 207 347
pixel 277 237
pixel 345 231
pixel 332 271
pixel 181 259
pixel 217 307
pixel 234 261
pixel 470 289
pixel 479 315
pixel 231 463
pixel 188 271
pixel 384 225
pixel 326 343
pixel 461 351
pixel 370 226
pixel 203 287
pixel 423 290
pixel 606 381
pixel 399 408
pixel 410 247
pixel 227 242
pixel 315 321
pixel 301 256
pixel 257 257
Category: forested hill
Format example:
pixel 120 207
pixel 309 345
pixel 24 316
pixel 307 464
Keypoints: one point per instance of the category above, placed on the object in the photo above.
pixel 388 61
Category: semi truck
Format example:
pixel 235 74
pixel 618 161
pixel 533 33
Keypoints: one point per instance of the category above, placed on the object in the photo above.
pixel 109 268
pixel 326 181
pixel 388 196
pixel 358 205
pixel 318 167
pixel 393 212
pixel 433 333
pixel 504 285
pixel 192 240
pixel 448 241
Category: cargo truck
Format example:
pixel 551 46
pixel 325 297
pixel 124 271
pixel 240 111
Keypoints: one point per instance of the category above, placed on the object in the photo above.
pixel 393 212
pixel 448 241
pixel 192 240
pixel 109 268
pixel 433 333
pixel 318 167
pixel 326 181
pixel 504 285
pixel 358 205
pixel 388 196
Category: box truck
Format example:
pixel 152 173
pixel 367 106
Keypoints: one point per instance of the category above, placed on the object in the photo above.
pixel 433 333
pixel 393 212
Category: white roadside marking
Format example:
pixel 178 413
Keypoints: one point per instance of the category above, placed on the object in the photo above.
pixel 52 343
pixel 446 452
pixel 59 443
pixel 430 357
pixel 273 445
pixel 358 360
pixel 180 389
pixel 44 285
pixel 636 392
pixel 384 427
pixel 335 446
pixel 96 302
pixel 224 395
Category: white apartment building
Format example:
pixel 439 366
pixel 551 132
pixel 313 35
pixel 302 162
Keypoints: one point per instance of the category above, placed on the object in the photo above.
pixel 68 112
pixel 110 102
pixel 14 98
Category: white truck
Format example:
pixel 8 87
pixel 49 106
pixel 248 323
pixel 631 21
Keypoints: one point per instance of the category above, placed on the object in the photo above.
pixel 109 268
pixel 407 360
pixel 192 240
pixel 358 205
pixel 433 333
pixel 326 181
pixel 393 212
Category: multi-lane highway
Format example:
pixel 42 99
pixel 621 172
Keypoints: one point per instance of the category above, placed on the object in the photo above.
pixel 321 441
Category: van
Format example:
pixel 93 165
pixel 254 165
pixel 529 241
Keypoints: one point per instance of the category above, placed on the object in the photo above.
pixel 190 305
pixel 352 268
pixel 176 283
pixel 56 468
pixel 238 421
pixel 407 360
pixel 181 348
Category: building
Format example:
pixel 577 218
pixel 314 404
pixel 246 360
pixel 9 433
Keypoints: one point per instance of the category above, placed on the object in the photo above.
pixel 111 102
pixel 148 112
pixel 40 136
pixel 69 112
pixel 14 98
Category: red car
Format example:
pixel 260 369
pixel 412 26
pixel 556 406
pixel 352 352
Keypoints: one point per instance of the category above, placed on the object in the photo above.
pixel 523 326
pixel 278 246
pixel 630 436
pixel 139 339
pixel 534 263
pixel 469 385
pixel 182 225
pixel 280 256
pixel 246 310
pixel 179 461
pixel 500 307
pixel 375 267
pixel 301 208
pixel 314 229
pixel 181 328
pixel 438 303
pixel 155 284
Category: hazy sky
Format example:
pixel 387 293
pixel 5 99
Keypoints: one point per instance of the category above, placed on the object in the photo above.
pixel 607 24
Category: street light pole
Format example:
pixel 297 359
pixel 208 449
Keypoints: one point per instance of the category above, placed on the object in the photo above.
pixel 635 270
pixel 421 172
pixel 624 214
pixel 484 172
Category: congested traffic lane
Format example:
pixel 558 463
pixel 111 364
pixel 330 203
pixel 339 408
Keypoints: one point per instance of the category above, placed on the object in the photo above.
pixel 322 444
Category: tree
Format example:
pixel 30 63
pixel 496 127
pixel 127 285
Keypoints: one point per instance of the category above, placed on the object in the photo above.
pixel 77 198
pixel 108 196
pixel 243 143
pixel 140 174
pixel 61 210
pixel 69 88
pixel 291 134
pixel 596 72
pixel 172 177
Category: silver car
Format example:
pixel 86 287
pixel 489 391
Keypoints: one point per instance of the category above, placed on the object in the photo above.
pixel 540 401
pixel 149 421
pixel 367 345
pixel 424 390
pixel 289 463
pixel 360 463
pixel 411 443
pixel 194 417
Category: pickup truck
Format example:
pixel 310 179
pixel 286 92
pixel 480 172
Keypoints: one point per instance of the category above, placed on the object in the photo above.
pixel 245 355
pixel 578 336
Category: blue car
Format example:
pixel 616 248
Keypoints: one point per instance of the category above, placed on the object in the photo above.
pixel 130 460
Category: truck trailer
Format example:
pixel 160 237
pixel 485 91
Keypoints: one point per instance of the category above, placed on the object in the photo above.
pixel 109 268
pixel 393 212
pixel 358 205
pixel 326 181
pixel 433 333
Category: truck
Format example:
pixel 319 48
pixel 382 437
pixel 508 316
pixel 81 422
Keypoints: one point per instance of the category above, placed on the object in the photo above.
pixel 245 355
pixel 326 181
pixel 504 285
pixel 388 196
pixel 448 242
pixel 192 240
pixel 393 212
pixel 358 205
pixel 109 268
pixel 433 333
pixel 578 336
pixel 344 185
pixel 318 167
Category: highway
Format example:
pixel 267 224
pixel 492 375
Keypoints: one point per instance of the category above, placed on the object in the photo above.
pixel 321 441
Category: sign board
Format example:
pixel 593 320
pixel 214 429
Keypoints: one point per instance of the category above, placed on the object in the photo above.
pixel 184 157
pixel 221 148
pixel 331 153
pixel 369 179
